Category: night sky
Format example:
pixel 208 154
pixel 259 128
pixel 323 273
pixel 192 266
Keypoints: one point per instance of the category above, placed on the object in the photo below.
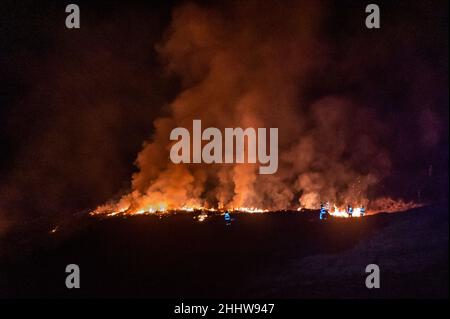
pixel 77 105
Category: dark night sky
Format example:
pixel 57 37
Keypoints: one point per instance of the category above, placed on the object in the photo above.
pixel 76 105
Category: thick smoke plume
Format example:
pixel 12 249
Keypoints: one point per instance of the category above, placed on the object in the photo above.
pixel 243 69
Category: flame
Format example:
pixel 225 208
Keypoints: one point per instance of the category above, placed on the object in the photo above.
pixel 340 212
pixel 54 230
pixel 113 210
pixel 250 210
pixel 126 209
pixel 202 217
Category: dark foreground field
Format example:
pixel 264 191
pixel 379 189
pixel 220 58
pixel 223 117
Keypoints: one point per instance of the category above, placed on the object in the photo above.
pixel 276 255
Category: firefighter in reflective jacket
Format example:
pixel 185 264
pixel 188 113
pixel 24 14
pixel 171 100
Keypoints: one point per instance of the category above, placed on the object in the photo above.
pixel 350 210
pixel 363 211
pixel 227 217
pixel 323 212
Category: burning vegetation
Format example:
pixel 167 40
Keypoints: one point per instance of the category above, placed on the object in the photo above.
pixel 384 205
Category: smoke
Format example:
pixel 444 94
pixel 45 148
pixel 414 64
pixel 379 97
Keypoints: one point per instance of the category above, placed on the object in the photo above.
pixel 243 69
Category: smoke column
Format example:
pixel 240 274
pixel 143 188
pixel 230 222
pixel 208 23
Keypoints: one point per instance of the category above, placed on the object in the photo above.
pixel 241 69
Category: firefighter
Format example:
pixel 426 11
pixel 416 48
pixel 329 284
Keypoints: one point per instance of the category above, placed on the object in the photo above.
pixel 227 217
pixel 350 210
pixel 363 211
pixel 323 212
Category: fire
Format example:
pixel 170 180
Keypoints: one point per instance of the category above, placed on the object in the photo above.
pixel 202 217
pixel 113 210
pixel 250 210
pixel 130 208
pixel 54 230
pixel 340 212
